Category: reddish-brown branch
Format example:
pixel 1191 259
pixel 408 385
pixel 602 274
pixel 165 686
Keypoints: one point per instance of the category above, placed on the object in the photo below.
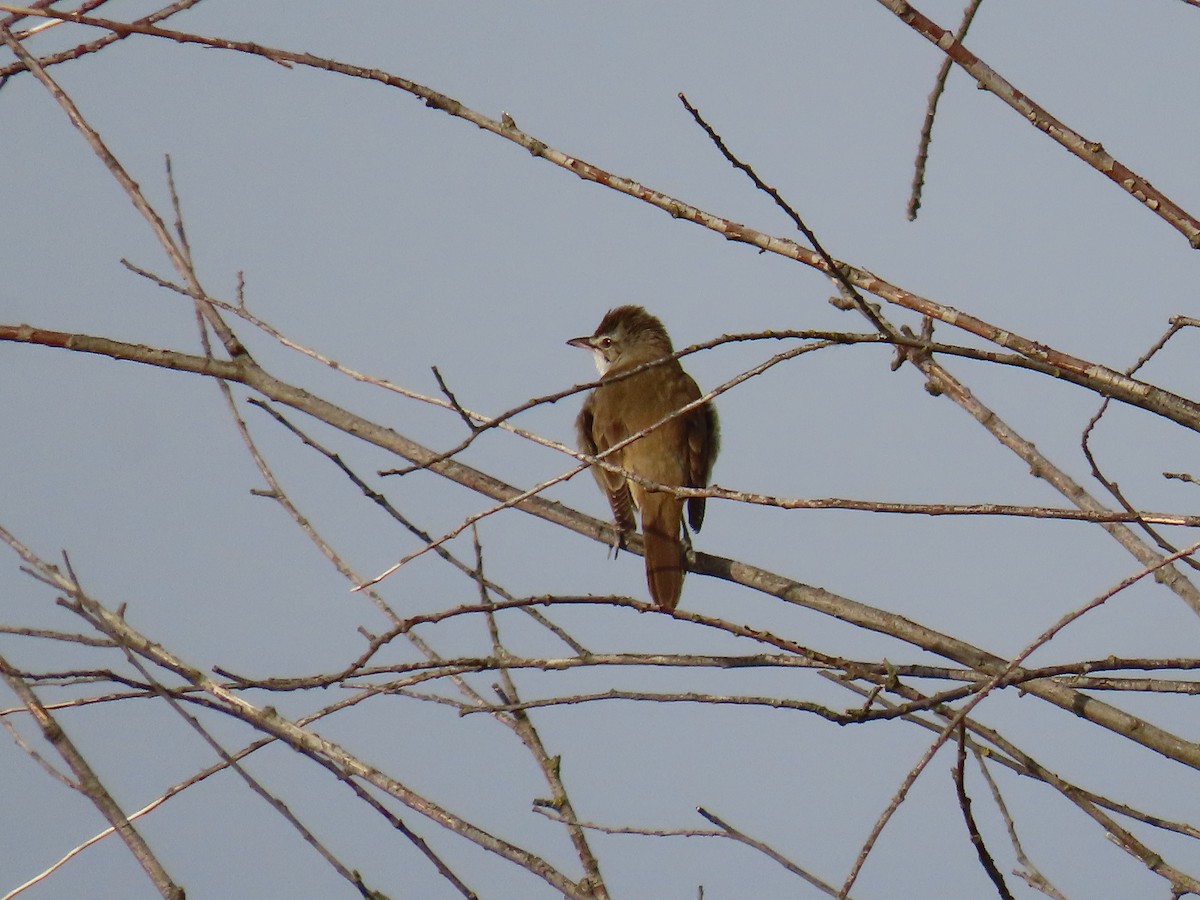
pixel 91 46
pixel 939 85
pixel 1091 152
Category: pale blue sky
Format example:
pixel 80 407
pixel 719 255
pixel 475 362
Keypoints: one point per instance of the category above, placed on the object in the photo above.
pixel 393 237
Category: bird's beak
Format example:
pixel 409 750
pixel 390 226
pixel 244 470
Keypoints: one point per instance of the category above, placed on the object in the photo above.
pixel 584 342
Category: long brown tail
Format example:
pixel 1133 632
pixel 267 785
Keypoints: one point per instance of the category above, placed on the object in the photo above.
pixel 662 518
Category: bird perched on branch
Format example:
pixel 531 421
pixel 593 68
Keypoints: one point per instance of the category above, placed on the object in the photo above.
pixel 677 452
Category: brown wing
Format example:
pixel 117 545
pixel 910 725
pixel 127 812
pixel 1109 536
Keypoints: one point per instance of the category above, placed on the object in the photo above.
pixel 704 440
pixel 594 441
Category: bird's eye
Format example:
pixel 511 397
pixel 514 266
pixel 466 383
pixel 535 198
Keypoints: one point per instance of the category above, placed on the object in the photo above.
pixel 605 343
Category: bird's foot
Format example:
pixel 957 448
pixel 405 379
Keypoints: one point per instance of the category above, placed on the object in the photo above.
pixel 620 542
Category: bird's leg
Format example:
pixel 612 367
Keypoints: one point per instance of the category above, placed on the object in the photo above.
pixel 620 541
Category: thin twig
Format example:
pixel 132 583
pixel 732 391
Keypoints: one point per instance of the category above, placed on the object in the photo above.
pixel 743 838
pixel 1090 152
pixel 1176 325
pixel 176 255
pixel 322 751
pixel 18 67
pixel 835 271
pixel 939 85
pixel 964 804
pixel 1030 874
pixel 550 766
pixel 388 507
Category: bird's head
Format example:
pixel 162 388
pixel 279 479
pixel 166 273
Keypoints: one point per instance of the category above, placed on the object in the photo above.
pixel 627 336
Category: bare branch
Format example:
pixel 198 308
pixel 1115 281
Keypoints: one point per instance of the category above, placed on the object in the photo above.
pixel 90 785
pixel 743 838
pixel 1091 152
pixel 964 805
pixel 1030 873
pixel 965 711
pixel 939 85
pixel 177 255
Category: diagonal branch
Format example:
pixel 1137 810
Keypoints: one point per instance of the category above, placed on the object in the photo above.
pixel 175 252
pixel 38 7
pixel 818 599
pixel 1091 152
pixel 91 787
pixel 960 715
pixel 939 86
pixel 265 719
pixel 941 381
pixel 529 735
pixel 743 838
pixel 964 804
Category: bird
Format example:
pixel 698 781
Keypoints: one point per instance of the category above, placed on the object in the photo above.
pixel 678 452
